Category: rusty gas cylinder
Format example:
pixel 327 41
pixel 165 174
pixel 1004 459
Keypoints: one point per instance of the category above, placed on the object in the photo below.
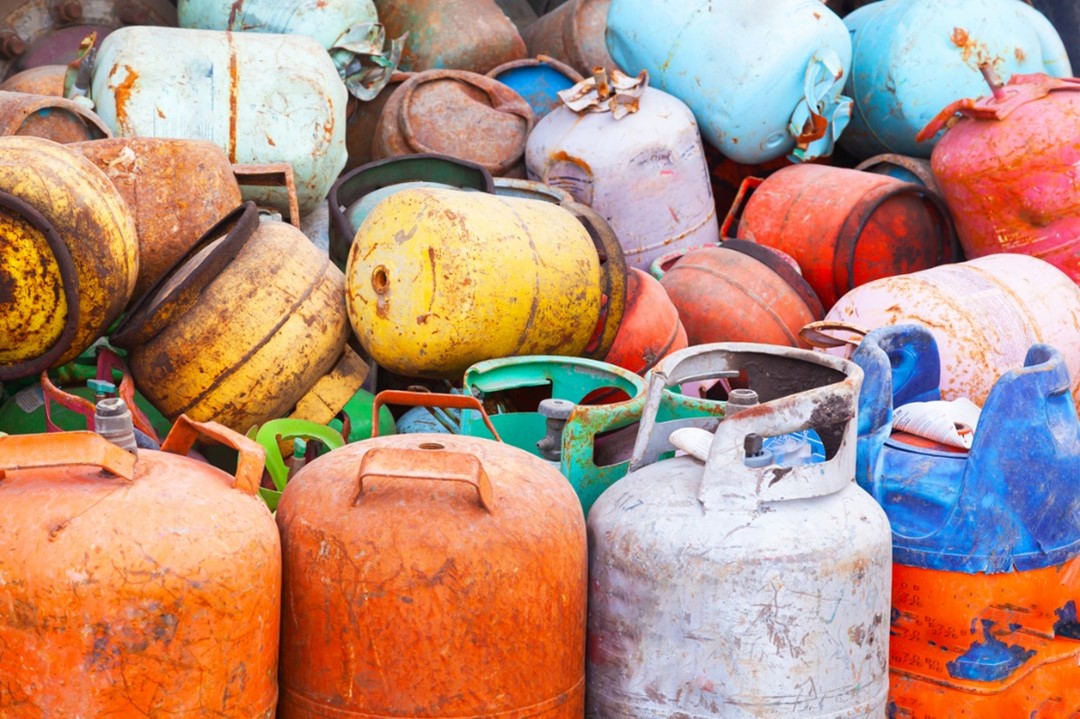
pixel 846 228
pixel 68 255
pixel 140 584
pixel 650 328
pixel 738 292
pixel 574 34
pixel 155 177
pixel 41 80
pixel 472 35
pixel 245 327
pixel 468 559
pixel 456 113
pixel 1008 169
pixel 984 314
pixel 53 118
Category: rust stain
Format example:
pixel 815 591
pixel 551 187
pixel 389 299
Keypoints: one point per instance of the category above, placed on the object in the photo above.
pixel 234 10
pixel 270 140
pixel 234 84
pixel 160 113
pixel 1020 54
pixel 562 156
pixel 123 94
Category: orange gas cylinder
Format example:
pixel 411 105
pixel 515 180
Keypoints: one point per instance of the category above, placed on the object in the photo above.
pixel 650 328
pixel 432 576
pixel 845 227
pixel 132 585
pixel 738 292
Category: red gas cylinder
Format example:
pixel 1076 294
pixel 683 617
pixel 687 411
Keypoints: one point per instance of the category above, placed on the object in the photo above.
pixel 845 227
pixel 1009 169
pixel 143 585
pixel 650 328
pixel 738 292
pixel 432 576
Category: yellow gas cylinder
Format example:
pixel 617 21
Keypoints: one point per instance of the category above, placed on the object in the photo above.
pixel 249 327
pixel 440 279
pixel 68 255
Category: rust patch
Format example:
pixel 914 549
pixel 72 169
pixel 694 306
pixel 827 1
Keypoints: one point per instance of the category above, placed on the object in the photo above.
pixel 234 10
pixel 234 82
pixel 562 156
pixel 1020 54
pixel 123 94
pixel 160 113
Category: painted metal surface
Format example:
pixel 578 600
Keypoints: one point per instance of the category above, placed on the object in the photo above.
pixel 650 328
pixel 471 35
pixel 913 57
pixel 70 255
pixel 47 32
pixel 538 80
pixel 573 33
pixel 428 293
pixel 104 609
pixel 49 117
pixel 987 578
pixel 155 178
pixel 738 292
pixel 1008 168
pixel 242 328
pixel 984 314
pixel 744 87
pixel 800 556
pixel 348 29
pixel 592 453
pixel 845 228
pixel 456 113
pixel 468 559
pixel 355 193
pixel 41 80
pixel 209 85
pixel 653 155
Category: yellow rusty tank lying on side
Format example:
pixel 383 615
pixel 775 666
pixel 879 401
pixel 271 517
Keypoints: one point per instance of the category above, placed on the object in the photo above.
pixel 244 329
pixel 68 255
pixel 440 279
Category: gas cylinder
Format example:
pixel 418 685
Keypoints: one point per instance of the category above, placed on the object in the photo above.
pixel 915 170
pixel 546 406
pixel 69 256
pixel 910 58
pixel 574 34
pixel 209 85
pixel 1007 169
pixel 50 32
pixel 155 176
pixel 799 554
pixel 845 228
pixel 348 29
pixel 986 579
pixel 488 123
pixel 758 93
pixel 50 117
pixel 104 610
pixel 471 35
pixel 41 80
pixel 468 557
pixel 248 325
pixel 356 192
pixel 538 80
pixel 428 293
pixel 737 292
pixel 633 154
pixel 650 328
pixel 984 315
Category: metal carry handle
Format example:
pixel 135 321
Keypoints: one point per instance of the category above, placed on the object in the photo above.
pixel 271 174
pixel 818 334
pixel 41 451
pixel 426 462
pixel 746 187
pixel 252 457
pixel 428 399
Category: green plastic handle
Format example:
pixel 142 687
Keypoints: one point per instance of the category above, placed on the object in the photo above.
pixel 276 430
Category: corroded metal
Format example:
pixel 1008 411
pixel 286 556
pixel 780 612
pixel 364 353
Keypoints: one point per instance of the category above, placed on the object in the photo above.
pixel 53 118
pixel 40 80
pixel 574 34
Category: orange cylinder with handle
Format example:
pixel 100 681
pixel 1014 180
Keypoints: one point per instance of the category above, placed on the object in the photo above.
pixel 132 585
pixel 432 576
pixel 650 328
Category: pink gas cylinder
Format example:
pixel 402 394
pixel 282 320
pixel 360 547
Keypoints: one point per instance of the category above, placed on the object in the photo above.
pixel 1009 167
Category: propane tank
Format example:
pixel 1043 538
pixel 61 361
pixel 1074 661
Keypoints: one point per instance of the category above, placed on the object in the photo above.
pixel 1008 167
pixel 986 578
pixel 632 153
pixel 478 553
pixel 650 328
pixel 174 559
pixel 211 85
pixel 538 80
pixel 910 58
pixel 763 79
pixel 801 556
pixel 572 33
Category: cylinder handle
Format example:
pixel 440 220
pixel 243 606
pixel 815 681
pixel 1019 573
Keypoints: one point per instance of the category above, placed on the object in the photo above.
pixel 249 468
pixel 427 462
pixel 41 451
